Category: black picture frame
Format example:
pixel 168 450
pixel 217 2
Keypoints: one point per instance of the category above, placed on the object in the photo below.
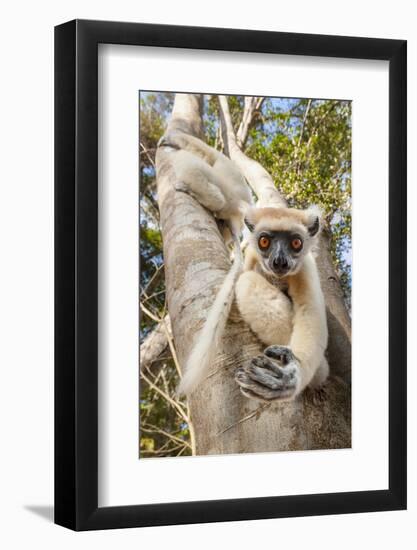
pixel 76 272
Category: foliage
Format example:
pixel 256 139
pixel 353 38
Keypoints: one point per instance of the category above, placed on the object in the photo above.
pixel 305 145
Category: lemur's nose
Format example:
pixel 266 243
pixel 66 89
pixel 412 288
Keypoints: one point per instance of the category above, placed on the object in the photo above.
pixel 280 262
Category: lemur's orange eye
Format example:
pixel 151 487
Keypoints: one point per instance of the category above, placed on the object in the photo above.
pixel 296 244
pixel 264 242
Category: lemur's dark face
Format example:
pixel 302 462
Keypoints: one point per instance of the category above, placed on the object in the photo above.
pixel 282 237
pixel 280 251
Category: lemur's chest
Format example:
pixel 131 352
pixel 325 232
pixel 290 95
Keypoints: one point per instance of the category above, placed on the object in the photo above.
pixel 274 281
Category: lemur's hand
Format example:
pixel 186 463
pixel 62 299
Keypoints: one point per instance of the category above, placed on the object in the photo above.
pixel 274 375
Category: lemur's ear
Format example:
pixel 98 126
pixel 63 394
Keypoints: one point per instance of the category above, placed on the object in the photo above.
pixel 313 219
pixel 314 227
pixel 250 219
pixel 249 224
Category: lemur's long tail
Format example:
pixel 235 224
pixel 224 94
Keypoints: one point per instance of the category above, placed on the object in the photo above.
pixel 208 339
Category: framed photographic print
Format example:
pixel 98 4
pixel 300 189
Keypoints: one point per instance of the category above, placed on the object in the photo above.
pixel 230 247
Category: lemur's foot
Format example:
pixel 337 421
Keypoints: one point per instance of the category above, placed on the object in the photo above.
pixel 273 375
pixel 183 187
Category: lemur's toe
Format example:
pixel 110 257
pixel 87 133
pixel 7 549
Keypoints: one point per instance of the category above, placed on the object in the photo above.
pixel 264 363
pixel 282 354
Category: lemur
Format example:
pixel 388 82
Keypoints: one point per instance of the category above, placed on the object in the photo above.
pixel 216 183
pixel 279 294
pixel 280 298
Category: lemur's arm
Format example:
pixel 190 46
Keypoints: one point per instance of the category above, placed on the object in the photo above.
pixel 295 333
pixel 268 312
pixel 309 337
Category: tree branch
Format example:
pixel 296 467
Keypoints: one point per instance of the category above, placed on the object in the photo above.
pixel 148 155
pixel 149 428
pixel 251 108
pixel 167 398
pixel 256 175
pixel 155 343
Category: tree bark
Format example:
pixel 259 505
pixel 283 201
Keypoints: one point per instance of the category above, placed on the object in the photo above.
pixel 155 343
pixel 196 262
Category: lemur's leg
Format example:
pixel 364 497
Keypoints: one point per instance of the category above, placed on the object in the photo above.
pixel 265 308
pixel 198 179
pixel 185 142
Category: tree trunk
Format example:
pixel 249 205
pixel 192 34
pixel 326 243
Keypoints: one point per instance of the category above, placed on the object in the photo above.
pixel 196 262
